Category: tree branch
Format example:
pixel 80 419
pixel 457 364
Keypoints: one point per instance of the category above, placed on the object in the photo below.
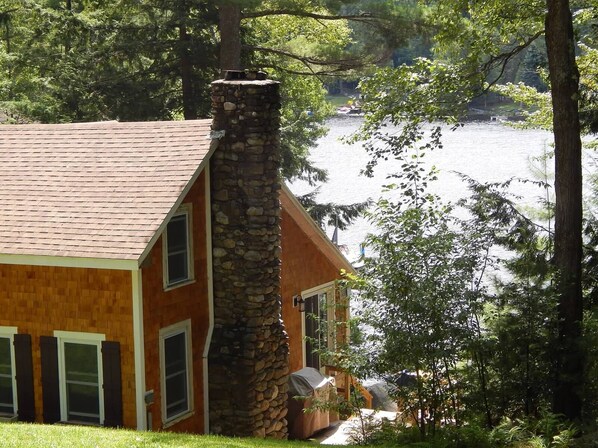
pixel 346 64
pixel 363 17
pixel 335 66
pixel 317 74
pixel 503 59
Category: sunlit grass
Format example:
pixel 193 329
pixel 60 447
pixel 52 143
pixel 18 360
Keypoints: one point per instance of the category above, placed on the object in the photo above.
pixel 338 100
pixel 19 435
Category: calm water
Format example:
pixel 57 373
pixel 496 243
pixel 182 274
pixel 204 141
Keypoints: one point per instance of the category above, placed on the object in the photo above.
pixel 486 151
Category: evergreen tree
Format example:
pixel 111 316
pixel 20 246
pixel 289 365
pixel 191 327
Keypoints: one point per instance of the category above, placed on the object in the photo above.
pixel 473 48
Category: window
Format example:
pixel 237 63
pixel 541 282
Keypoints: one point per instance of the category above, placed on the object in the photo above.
pixel 177 248
pixel 80 372
pixel 319 324
pixel 8 386
pixel 81 379
pixel 175 371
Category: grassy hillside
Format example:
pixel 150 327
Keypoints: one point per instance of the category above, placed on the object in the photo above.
pixel 17 435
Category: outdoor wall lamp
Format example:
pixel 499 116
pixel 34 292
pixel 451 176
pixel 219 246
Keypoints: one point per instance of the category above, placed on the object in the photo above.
pixel 300 302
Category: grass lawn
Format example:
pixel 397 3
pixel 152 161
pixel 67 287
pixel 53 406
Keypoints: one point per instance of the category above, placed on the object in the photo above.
pixel 338 100
pixel 20 435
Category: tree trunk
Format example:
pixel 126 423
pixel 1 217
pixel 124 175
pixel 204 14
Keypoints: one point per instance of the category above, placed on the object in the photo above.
pixel 230 37
pixel 186 65
pixel 564 79
pixel 67 41
pixel 186 74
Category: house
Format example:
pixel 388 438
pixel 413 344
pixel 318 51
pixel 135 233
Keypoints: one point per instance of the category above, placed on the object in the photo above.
pixel 145 267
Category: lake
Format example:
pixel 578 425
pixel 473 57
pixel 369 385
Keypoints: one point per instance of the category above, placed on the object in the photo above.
pixel 486 151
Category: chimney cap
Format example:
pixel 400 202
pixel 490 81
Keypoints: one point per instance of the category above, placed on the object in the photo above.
pixel 249 75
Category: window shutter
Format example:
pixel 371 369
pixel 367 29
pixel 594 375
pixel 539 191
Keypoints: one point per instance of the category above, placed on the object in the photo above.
pixel 113 405
pixel 50 385
pixel 24 375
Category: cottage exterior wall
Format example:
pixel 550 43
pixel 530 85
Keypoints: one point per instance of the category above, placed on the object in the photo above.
pixel 164 308
pixel 41 299
pixel 304 266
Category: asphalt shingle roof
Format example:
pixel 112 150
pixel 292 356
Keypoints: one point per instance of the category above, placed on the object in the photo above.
pixel 94 190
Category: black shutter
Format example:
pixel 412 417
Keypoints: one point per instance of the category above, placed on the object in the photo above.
pixel 113 404
pixel 50 385
pixel 24 375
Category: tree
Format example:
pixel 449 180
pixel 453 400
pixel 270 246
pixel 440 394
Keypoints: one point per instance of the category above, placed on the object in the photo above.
pixel 236 47
pixel 473 48
pixel 514 350
pixel 81 61
pixel 564 83
pixel 229 27
pixel 421 295
pixel 297 42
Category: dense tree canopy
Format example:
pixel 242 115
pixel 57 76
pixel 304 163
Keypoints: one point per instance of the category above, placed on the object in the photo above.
pixel 78 61
pixel 474 45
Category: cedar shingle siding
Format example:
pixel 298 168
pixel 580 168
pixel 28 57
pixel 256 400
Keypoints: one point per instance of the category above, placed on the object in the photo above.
pixel 41 299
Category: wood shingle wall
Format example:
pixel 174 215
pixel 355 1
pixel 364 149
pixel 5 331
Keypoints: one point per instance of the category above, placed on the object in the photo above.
pixel 165 308
pixel 304 266
pixel 39 300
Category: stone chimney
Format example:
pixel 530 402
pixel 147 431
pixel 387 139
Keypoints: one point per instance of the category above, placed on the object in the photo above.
pixel 248 360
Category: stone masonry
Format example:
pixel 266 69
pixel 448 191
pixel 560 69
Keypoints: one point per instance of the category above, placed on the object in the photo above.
pixel 248 360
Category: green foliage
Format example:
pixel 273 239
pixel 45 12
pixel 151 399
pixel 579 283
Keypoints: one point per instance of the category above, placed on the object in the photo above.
pixel 538 111
pixel 531 91
pixel 533 63
pixel 510 367
pixel 475 356
pixel 420 292
pixel 590 330
pixel 328 36
pixel 331 214
pixel 519 320
pixel 479 31
pixel 547 432
pixel 397 435
pixel 100 61
pixel 588 67
pixel 303 114
pixel 300 36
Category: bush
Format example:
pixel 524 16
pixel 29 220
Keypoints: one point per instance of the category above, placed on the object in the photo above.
pixel 548 432
pixel 397 435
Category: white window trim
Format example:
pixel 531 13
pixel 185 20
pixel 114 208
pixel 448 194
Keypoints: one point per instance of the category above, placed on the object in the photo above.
pixel 187 210
pixel 330 289
pixel 9 332
pixel 79 338
pixel 172 330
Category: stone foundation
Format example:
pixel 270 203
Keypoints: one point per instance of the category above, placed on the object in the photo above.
pixel 248 360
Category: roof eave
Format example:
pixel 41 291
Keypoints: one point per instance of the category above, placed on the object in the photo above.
pixel 313 231
pixel 69 262
pixel 215 137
